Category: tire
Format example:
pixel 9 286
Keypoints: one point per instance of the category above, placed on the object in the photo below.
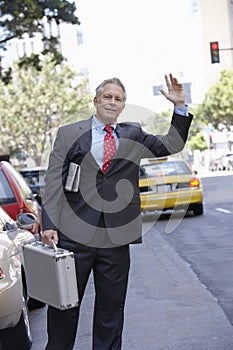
pixel 198 209
pixel 18 337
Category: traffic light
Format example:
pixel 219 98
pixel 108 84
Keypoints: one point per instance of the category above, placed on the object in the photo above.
pixel 214 52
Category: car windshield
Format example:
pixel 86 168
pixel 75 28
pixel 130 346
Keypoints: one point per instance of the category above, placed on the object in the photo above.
pixel 34 177
pixel 164 168
pixel 6 194
pixel 27 193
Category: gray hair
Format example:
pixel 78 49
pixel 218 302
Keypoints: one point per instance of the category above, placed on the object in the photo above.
pixel 114 81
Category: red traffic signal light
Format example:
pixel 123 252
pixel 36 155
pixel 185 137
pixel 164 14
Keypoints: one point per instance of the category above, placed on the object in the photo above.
pixel 214 52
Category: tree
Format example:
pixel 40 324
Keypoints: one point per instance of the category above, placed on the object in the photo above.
pixel 25 16
pixel 198 142
pixel 217 106
pixel 21 17
pixel 159 122
pixel 34 103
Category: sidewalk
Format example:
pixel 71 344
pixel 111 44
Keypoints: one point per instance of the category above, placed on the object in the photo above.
pixel 167 307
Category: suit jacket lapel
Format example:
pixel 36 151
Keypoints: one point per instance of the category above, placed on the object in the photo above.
pixel 85 140
pixel 82 145
pixel 85 134
pixel 121 131
pixel 123 134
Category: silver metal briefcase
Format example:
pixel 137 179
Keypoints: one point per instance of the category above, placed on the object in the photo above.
pixel 50 275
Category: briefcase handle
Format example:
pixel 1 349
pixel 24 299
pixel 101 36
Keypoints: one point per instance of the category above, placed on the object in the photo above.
pixel 54 246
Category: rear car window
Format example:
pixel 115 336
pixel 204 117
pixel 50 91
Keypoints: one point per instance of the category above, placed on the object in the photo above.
pixel 164 168
pixel 33 177
pixel 6 194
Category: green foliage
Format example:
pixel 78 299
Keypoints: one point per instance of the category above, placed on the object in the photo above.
pixel 60 10
pixel 35 103
pixel 24 16
pixel 158 124
pixel 19 17
pixel 6 76
pixel 217 106
pixel 33 60
pixel 52 44
pixel 198 142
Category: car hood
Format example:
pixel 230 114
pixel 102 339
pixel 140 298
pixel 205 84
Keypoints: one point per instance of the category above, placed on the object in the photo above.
pixel 11 241
pixel 20 237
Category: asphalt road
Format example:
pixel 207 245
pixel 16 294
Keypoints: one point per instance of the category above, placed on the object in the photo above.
pixel 180 294
pixel 206 242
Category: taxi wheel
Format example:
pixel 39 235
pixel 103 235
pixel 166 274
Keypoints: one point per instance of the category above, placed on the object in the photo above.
pixel 198 209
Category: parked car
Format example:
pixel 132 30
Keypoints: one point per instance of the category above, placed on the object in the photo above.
pixel 35 178
pixel 227 161
pixel 169 184
pixel 14 322
pixel 15 195
pixel 215 164
pixel 224 162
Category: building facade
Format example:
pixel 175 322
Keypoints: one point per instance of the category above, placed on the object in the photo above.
pixel 217 25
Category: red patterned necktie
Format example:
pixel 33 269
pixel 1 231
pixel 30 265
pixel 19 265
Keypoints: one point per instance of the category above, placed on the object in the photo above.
pixel 109 148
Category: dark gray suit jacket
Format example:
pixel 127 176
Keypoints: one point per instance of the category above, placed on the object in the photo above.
pixel 115 193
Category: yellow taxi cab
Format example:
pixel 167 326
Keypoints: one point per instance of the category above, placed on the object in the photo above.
pixel 169 184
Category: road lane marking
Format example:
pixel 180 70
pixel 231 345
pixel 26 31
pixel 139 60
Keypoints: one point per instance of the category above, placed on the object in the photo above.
pixel 224 210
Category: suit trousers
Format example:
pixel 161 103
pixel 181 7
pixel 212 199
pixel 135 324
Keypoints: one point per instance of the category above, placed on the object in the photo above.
pixel 110 267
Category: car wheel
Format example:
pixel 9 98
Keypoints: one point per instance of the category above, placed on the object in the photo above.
pixel 198 209
pixel 18 337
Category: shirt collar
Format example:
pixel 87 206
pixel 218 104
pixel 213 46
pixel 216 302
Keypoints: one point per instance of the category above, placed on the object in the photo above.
pixel 99 126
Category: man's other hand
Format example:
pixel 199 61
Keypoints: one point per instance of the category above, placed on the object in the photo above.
pixel 49 235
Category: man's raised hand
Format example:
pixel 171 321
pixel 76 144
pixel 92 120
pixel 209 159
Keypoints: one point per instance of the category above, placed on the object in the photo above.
pixel 175 92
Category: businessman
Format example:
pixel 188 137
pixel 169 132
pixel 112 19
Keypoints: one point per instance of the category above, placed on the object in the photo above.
pixel 92 205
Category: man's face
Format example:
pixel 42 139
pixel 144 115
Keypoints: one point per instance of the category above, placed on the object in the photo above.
pixel 109 103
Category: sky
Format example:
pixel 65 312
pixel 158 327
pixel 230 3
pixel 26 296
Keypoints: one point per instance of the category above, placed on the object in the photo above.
pixel 139 42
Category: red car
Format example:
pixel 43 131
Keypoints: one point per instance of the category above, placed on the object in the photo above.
pixel 15 195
